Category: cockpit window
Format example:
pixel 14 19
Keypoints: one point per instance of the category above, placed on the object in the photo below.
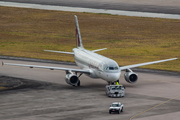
pixel 115 68
pixel 109 65
pixel 112 68
pixel 107 68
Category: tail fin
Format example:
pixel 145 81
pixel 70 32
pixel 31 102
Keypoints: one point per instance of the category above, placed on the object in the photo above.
pixel 78 34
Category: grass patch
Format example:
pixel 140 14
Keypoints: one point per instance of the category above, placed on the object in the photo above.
pixel 130 40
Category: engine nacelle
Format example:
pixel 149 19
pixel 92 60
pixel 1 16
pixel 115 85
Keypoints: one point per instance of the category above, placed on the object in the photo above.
pixel 131 77
pixel 71 79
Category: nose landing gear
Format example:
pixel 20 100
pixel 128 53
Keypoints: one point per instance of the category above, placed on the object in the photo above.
pixel 113 83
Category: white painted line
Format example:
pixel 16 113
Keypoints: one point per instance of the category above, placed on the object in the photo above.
pixel 90 10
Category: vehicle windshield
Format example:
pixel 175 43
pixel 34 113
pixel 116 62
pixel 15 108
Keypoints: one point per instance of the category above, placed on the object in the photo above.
pixel 115 105
pixel 116 88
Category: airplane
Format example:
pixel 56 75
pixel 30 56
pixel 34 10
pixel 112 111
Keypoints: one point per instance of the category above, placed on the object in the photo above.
pixel 93 64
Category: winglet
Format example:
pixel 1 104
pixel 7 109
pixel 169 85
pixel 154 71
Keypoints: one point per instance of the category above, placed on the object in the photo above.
pixel 2 63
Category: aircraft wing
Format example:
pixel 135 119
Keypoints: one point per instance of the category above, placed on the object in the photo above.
pixel 49 67
pixel 147 63
pixel 60 52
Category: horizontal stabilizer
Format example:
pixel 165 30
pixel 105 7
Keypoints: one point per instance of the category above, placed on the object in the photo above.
pixel 59 52
pixel 99 50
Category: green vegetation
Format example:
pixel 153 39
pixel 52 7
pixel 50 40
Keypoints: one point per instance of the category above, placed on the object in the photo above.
pixel 130 40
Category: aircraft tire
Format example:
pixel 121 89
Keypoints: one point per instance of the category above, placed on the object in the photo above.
pixel 78 83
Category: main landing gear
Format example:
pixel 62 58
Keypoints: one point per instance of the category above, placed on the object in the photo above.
pixel 79 83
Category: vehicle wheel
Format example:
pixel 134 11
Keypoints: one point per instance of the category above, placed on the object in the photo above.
pixel 109 112
pixel 122 109
pixel 78 83
pixel 119 111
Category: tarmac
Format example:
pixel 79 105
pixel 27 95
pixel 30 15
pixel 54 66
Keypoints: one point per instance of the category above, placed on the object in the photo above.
pixel 45 95
pixel 139 13
pixel 38 94
pixel 152 6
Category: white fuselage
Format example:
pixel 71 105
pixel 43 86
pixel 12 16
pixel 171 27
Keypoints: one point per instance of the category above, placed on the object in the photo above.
pixel 99 66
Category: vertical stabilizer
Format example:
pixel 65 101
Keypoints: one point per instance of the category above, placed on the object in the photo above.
pixel 78 34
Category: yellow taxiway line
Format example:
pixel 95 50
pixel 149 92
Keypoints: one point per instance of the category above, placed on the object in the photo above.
pixel 158 104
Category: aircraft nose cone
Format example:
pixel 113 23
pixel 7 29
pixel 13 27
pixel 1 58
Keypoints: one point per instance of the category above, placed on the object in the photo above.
pixel 114 76
pixel 117 76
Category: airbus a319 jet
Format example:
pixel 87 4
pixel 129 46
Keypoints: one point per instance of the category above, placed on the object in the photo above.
pixel 93 64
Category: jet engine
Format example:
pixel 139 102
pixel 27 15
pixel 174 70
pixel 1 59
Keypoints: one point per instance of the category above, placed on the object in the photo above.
pixel 130 76
pixel 72 79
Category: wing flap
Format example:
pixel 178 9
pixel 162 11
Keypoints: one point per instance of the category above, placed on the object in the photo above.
pixel 143 64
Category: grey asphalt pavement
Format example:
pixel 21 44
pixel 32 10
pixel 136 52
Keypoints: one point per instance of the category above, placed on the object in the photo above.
pixel 154 6
pixel 45 95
